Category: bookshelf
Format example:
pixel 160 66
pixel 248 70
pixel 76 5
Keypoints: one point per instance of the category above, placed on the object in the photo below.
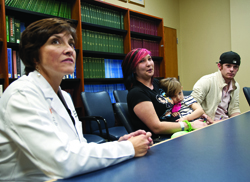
pixel 111 27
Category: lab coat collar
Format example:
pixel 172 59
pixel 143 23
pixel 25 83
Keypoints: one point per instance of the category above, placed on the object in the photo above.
pixel 55 103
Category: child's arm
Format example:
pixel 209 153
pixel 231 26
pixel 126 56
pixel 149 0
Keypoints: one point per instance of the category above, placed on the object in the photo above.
pixel 197 112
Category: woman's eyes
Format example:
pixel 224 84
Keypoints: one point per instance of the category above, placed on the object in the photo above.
pixel 57 41
pixel 72 44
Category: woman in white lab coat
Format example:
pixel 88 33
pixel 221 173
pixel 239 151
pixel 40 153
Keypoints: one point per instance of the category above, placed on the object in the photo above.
pixel 39 138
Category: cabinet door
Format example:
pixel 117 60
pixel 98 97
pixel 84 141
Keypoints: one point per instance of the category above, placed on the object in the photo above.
pixel 171 52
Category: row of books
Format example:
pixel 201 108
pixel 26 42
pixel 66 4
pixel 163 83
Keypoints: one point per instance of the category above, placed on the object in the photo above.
pixel 102 68
pixel 15 65
pixel 144 26
pixel 152 46
pixel 51 7
pixel 14 28
pixel 101 16
pixel 105 87
pixel 104 42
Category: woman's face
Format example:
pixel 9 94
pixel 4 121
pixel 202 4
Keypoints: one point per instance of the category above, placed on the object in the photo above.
pixel 57 56
pixel 145 68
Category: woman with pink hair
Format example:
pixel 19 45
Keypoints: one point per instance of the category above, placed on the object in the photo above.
pixel 145 103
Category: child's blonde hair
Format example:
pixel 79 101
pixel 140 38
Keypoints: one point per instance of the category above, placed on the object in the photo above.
pixel 170 85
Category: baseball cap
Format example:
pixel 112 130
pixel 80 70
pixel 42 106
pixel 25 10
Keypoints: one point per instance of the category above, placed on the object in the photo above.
pixel 230 57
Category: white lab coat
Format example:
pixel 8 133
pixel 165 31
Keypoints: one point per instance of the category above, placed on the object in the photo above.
pixel 38 140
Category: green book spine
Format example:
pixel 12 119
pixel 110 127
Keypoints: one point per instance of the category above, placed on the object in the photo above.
pixel 40 6
pixel 28 5
pixel 69 11
pixel 107 43
pixel 85 67
pixel 15 3
pixel 96 41
pixel 87 40
pixel 117 44
pixel 12 29
pixel 7 28
pixel 32 5
pixel 92 41
pixel 121 44
pixel 87 13
pixel 90 68
pixel 96 68
pixel 60 9
pixel 17 31
pixel 94 15
pixel 98 15
pixel 99 41
pixel 55 9
pixel 113 23
pixel 6 2
pixel 82 12
pixel 84 44
pixel 91 12
pixel 101 12
pixel 36 6
pixel 122 21
pixel 47 7
pixel 103 67
pixel 12 2
pixel 23 4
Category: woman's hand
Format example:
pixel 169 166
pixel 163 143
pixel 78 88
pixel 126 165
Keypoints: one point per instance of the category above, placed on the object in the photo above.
pixel 141 143
pixel 137 133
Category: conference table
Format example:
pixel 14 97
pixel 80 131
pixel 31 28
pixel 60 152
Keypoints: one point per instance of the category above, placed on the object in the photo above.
pixel 217 153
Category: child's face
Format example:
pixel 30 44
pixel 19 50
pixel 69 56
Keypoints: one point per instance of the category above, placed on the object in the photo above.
pixel 178 97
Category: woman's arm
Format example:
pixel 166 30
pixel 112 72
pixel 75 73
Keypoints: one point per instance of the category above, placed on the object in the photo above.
pixel 146 112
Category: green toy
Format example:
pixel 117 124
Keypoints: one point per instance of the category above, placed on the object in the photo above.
pixel 179 133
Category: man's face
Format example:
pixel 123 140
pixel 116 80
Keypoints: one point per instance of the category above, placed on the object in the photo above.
pixel 228 71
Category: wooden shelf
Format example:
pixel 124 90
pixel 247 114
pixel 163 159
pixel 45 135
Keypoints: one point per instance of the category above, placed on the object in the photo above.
pixel 103 80
pixel 29 16
pixel 145 36
pixel 105 29
pixel 107 55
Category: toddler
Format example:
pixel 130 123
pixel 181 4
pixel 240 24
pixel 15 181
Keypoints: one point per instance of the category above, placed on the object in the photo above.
pixel 185 108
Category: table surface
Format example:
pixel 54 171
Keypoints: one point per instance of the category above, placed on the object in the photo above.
pixel 219 152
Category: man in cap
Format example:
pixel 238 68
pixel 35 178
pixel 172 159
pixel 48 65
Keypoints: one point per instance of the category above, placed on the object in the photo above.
pixel 218 93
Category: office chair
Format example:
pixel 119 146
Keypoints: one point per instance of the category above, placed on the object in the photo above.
pixel 120 95
pixel 186 92
pixel 121 109
pixel 90 137
pixel 246 91
pixel 98 106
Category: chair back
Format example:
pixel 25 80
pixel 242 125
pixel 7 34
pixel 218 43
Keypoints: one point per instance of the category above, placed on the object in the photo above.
pixel 121 109
pixel 246 91
pixel 187 92
pixel 120 95
pixel 98 104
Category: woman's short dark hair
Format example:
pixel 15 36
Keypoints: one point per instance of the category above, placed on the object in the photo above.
pixel 129 64
pixel 36 35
